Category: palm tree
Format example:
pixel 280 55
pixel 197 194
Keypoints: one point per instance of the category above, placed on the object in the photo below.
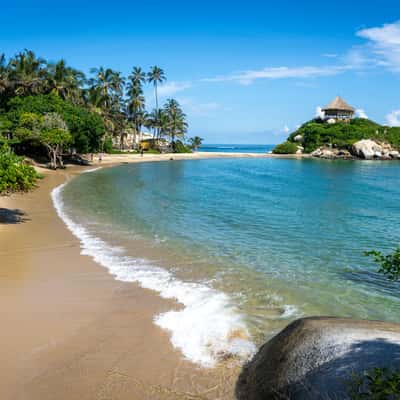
pixel 156 76
pixel 177 125
pixel 4 74
pixel 153 122
pixel 65 81
pixel 27 73
pixel 109 84
pixel 137 77
pixel 195 142
pixel 136 100
pixel 105 96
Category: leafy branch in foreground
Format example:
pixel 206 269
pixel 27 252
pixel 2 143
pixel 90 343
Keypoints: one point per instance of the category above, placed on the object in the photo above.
pixel 378 384
pixel 389 263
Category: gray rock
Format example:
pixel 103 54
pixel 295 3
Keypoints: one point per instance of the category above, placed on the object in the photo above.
pixel 394 154
pixel 316 153
pixel 314 358
pixel 298 138
pixel 366 149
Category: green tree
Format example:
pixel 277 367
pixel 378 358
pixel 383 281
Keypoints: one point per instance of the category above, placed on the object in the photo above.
pixel 136 99
pixel 87 128
pixel 156 76
pixel 55 136
pixel 285 148
pixel 195 142
pixel 176 121
pixel 27 73
pixel 50 130
pixel 109 87
pixel 65 81
pixel 4 75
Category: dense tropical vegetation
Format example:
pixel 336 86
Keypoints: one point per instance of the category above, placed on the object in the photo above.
pixel 317 133
pixel 49 108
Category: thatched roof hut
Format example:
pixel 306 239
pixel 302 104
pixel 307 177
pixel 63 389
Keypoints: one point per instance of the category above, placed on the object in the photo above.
pixel 338 109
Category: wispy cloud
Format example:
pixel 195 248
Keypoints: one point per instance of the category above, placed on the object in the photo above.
pixel 384 41
pixel 199 109
pixel 248 77
pixel 285 129
pixel 330 55
pixel 170 88
pixel 393 118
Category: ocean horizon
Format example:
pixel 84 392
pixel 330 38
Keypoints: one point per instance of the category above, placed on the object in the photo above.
pixel 236 148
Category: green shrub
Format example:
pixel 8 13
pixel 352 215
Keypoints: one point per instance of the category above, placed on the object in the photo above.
pixel 14 174
pixel 285 148
pixel 108 146
pixel 378 384
pixel 389 264
pixel 179 147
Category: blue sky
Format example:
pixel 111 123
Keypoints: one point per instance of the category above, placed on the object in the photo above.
pixel 244 73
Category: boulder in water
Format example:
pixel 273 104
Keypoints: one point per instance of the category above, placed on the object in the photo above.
pixel 316 358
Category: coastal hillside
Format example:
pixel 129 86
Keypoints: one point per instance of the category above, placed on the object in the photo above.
pixel 319 133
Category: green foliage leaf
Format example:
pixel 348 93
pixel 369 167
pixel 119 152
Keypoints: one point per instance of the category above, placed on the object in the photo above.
pixel 389 263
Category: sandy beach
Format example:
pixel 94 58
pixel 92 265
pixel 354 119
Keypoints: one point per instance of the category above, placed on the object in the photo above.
pixel 133 157
pixel 69 330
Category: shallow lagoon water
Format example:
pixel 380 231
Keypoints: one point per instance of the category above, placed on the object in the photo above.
pixel 247 244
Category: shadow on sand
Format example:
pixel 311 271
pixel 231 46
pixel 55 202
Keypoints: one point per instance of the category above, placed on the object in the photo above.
pixel 12 216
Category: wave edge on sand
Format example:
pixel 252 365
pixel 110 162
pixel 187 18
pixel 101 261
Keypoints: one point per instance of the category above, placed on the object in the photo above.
pixel 207 329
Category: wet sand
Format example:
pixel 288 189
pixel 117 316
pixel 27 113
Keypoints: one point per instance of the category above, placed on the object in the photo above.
pixel 69 330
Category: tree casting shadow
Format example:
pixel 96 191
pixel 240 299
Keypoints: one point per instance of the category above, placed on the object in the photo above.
pixel 12 216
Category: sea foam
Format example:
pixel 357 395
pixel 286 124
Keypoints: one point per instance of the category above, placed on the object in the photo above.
pixel 207 329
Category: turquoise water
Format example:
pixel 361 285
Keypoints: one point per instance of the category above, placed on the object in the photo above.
pixel 237 148
pixel 281 238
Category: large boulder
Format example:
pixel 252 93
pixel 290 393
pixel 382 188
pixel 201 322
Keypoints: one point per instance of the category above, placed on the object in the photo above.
pixel 367 149
pixel 316 358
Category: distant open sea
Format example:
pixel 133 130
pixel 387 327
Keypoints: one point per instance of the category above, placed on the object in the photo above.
pixel 237 148
pixel 245 245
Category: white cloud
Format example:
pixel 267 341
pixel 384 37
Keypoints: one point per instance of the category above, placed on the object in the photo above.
pixel 393 118
pixel 319 113
pixel 286 129
pixel 198 109
pixel 170 88
pixel 385 44
pixel 248 77
pixel 360 113
pixel 330 55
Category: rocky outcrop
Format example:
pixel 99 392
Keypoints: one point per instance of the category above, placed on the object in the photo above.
pixel 366 149
pixel 300 149
pixel 369 150
pixel 332 153
pixel 314 358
